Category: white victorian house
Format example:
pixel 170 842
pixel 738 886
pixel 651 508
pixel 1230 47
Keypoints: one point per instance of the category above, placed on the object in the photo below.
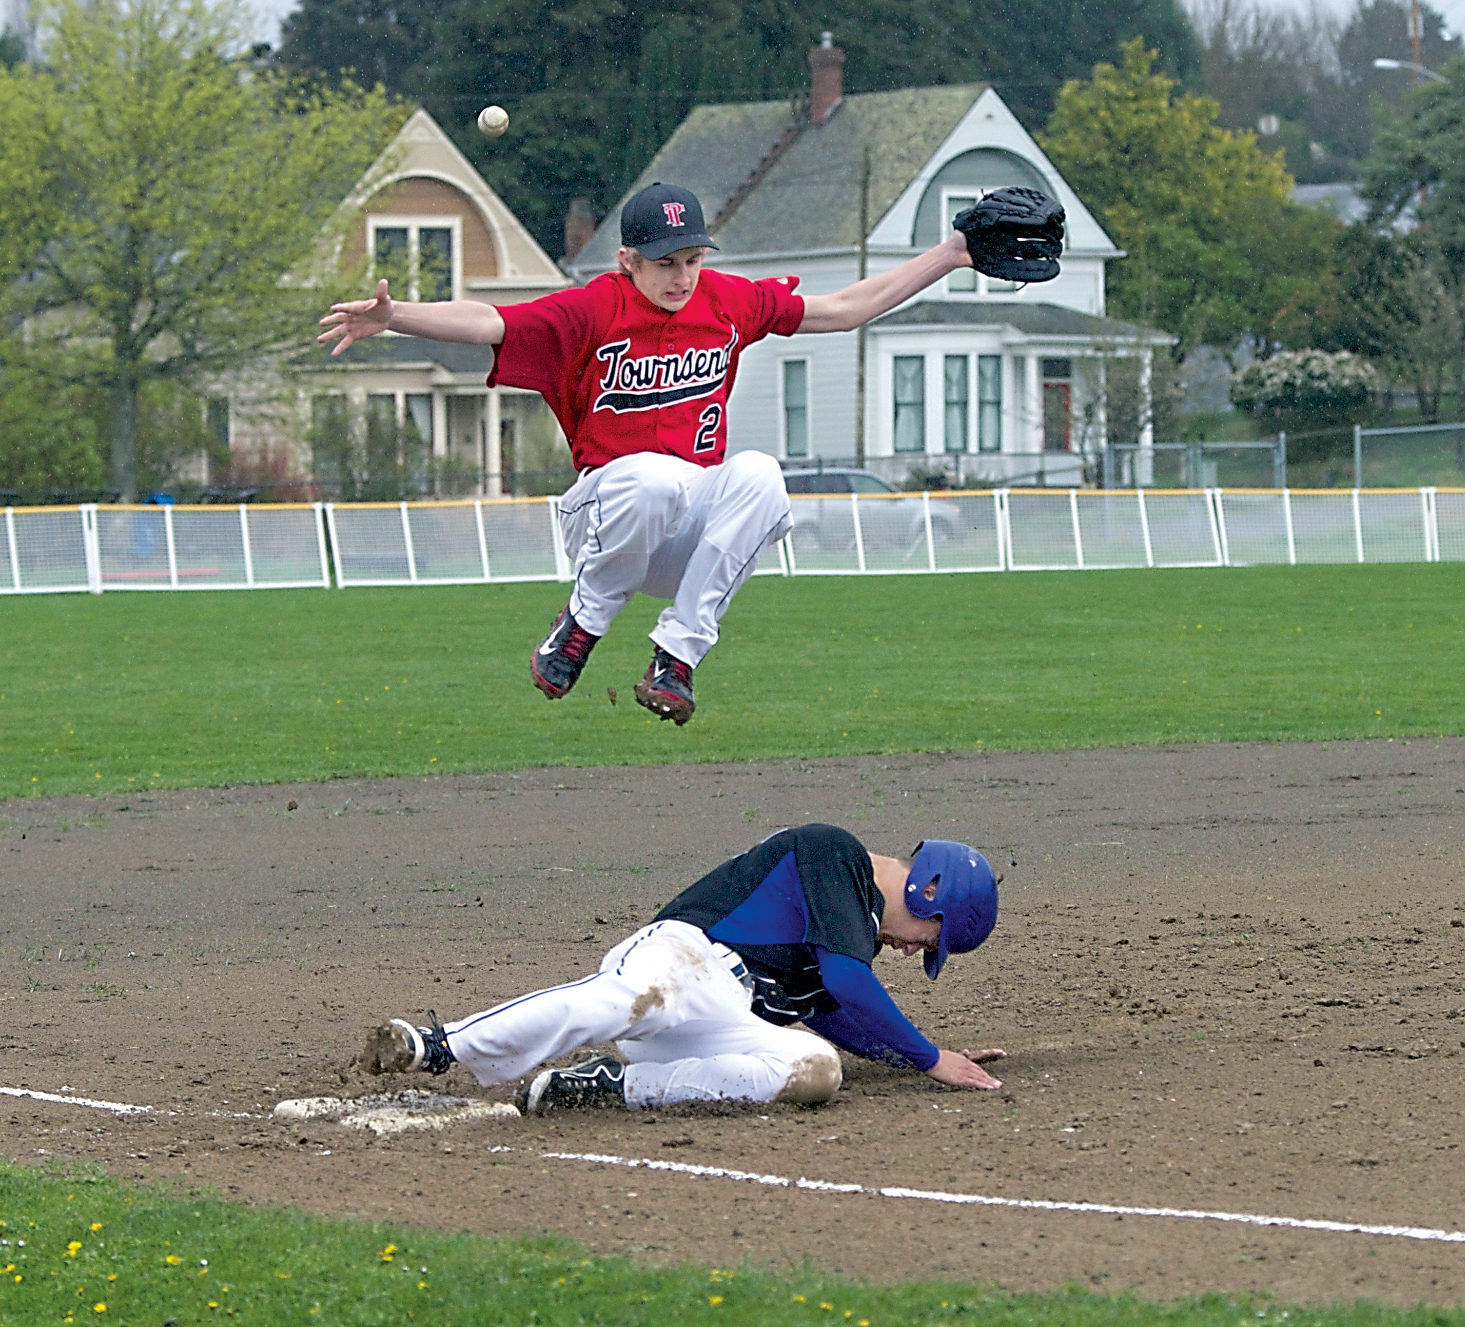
pixel 973 378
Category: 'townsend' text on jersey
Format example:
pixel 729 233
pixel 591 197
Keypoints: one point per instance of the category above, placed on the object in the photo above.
pixel 650 381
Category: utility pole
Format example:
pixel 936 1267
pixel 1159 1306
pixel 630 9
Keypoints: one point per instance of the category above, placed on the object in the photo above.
pixel 861 334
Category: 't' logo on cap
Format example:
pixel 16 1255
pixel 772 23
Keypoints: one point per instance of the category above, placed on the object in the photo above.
pixel 673 213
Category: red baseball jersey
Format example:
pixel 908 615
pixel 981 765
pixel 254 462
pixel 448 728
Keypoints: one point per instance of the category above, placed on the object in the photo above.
pixel 623 375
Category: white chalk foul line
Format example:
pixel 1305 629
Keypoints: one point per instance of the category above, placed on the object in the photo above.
pixel 1029 1204
pixel 825 1186
pixel 116 1107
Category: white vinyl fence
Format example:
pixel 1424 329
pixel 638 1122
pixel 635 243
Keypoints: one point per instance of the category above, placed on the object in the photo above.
pixel 52 549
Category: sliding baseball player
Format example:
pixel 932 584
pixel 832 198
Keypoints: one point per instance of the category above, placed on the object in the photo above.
pixel 638 366
pixel 701 1003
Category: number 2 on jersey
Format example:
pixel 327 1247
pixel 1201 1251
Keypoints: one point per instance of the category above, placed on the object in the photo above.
pixel 706 438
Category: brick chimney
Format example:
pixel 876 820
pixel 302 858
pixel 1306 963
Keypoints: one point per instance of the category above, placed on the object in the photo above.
pixel 826 67
pixel 579 227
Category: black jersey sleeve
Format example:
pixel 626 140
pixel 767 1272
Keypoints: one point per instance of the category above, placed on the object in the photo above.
pixel 842 905
pixel 839 889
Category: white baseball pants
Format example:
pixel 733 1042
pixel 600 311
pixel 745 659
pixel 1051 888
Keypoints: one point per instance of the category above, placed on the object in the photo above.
pixel 669 1000
pixel 662 526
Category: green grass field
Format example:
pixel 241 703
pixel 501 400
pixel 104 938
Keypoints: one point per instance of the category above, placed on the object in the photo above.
pixel 79 1248
pixel 128 691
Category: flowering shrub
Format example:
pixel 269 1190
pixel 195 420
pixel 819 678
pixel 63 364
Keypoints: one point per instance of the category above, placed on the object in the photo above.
pixel 1305 382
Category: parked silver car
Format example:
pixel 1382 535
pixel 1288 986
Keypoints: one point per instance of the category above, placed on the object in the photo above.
pixel 893 523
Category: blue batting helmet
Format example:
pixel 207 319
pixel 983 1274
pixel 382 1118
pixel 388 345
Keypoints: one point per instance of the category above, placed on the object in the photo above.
pixel 965 898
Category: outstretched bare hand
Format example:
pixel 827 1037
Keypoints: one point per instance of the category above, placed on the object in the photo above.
pixel 964 1069
pixel 358 319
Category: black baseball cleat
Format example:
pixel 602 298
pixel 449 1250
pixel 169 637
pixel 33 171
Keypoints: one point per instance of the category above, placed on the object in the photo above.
pixel 597 1082
pixel 399 1048
pixel 667 688
pixel 555 666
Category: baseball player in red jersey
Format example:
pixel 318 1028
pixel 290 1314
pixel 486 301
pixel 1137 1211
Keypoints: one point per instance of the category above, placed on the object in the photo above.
pixel 702 1001
pixel 638 366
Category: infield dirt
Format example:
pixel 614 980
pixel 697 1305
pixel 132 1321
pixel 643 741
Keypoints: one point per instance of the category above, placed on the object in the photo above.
pixel 1228 978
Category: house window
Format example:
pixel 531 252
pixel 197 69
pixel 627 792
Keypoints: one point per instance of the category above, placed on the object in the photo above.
pixel 963 281
pixel 910 403
pixel 989 403
pixel 1057 405
pixel 416 257
pixel 795 407
pixel 419 418
pixel 957 392
pixel 218 422
pixel 434 263
pixel 966 281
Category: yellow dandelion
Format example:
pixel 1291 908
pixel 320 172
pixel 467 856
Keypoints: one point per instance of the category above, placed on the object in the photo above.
pixel 172 1260
pixel 112 1276
pixel 96 1225
pixel 714 1299
pixel 99 1307
pixel 386 1254
pixel 799 1299
pixel 212 1304
pixel 828 1308
pixel 71 1249
pixel 422 1285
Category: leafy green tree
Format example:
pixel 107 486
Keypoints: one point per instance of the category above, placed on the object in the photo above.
pixel 1408 290
pixel 1418 162
pixel 48 441
pixel 1217 253
pixel 160 197
pixel 596 87
pixel 27 110
pixel 1381 28
pixel 12 48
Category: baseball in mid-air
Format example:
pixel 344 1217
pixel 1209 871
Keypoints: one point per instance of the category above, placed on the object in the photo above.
pixel 493 120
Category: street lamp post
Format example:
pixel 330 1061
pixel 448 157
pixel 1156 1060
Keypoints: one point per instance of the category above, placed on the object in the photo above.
pixel 1418 69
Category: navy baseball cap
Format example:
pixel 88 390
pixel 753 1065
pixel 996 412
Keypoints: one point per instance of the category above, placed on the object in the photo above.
pixel 662 219
pixel 966 897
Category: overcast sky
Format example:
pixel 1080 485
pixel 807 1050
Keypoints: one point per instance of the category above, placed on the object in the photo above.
pixel 1453 10
pixel 270 12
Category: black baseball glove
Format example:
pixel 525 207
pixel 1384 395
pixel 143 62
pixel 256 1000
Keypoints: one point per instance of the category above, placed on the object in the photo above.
pixel 1014 234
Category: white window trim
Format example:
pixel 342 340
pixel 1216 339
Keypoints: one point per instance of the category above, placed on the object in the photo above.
pixel 415 223
pixel 808 407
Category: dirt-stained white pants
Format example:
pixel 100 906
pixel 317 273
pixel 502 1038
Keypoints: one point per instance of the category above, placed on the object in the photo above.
pixel 662 526
pixel 668 998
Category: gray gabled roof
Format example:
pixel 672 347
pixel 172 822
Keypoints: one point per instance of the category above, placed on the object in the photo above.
pixel 808 199
pixel 401 352
pixel 1030 319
